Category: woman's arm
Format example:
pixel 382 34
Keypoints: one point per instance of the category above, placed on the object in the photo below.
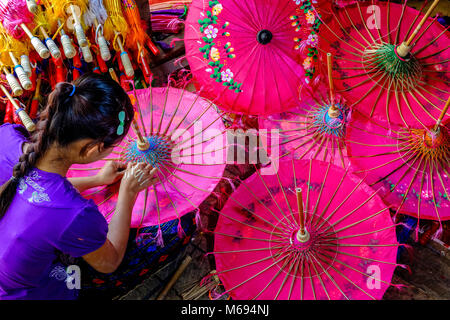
pixel 108 258
pixel 111 172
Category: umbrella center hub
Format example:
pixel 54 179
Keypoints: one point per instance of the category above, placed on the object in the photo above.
pixel 324 123
pixel 386 67
pixel 431 145
pixel 264 36
pixel 157 154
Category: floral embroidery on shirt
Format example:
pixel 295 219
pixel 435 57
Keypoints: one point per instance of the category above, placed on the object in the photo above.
pixel 59 273
pixel 37 196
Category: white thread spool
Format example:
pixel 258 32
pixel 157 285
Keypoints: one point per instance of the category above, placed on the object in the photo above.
pixel 41 49
pixel 32 6
pixel 104 49
pixel 21 74
pixel 69 49
pixel 129 71
pixel 26 120
pixel 13 84
pixel 87 55
pixel 23 78
pixel 81 37
pixel 51 45
pixel 26 65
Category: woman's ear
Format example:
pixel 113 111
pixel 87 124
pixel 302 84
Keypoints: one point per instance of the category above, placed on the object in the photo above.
pixel 93 150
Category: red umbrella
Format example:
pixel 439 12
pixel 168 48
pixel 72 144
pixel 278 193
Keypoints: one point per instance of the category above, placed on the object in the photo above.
pixel 242 54
pixel 333 240
pixel 392 64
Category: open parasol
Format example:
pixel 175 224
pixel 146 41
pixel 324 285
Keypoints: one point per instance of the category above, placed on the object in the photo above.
pixel 409 165
pixel 311 231
pixel 242 54
pixel 177 135
pixel 314 130
pixel 392 64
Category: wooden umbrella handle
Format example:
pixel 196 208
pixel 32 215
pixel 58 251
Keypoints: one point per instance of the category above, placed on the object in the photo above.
pixel 32 6
pixel 41 49
pixel 129 71
pixel 441 117
pixel 26 120
pixel 301 211
pixel 51 45
pixel 422 22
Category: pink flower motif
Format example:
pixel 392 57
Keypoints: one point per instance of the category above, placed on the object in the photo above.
pixel 310 17
pixel 211 32
pixel 307 63
pixel 312 40
pixel 227 75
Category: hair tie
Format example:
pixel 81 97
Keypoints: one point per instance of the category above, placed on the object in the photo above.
pixel 14 179
pixel 73 90
pixel 121 127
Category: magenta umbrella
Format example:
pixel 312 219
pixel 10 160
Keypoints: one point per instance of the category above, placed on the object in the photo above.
pixel 410 166
pixel 391 63
pixel 185 142
pixel 311 231
pixel 315 130
pixel 242 54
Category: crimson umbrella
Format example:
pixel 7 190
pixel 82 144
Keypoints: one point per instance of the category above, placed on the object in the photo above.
pixel 310 231
pixel 242 54
pixel 392 63
pixel 409 165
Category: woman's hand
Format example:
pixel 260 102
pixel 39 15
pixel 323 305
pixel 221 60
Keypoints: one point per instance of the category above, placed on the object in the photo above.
pixel 138 177
pixel 111 172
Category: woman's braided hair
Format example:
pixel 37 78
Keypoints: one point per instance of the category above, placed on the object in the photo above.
pixel 90 112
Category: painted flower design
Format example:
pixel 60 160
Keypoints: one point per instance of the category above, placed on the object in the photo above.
pixel 214 54
pixel 312 40
pixel 307 63
pixel 211 32
pixel 227 75
pixel 310 17
pixel 217 9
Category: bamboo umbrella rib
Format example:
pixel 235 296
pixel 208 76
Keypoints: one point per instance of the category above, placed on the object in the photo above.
pixel 365 25
pixel 295 262
pixel 357 235
pixel 310 279
pixel 279 235
pixel 258 216
pixel 432 55
pixel 248 250
pixel 285 263
pixel 348 279
pixel 285 198
pixel 319 197
pixel 340 205
pixel 400 23
pixel 319 277
pixel 174 113
pixel 434 194
pixel 431 42
pixel 330 277
pixel 262 203
pixel 354 27
pixel 181 179
pixel 163 110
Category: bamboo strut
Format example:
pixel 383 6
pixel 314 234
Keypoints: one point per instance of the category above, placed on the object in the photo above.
pixel 405 48
pixel 302 234
pixel 333 112
pixel 27 122
pixel 441 117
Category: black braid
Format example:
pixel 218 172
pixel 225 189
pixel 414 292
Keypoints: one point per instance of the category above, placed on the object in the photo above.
pixel 92 112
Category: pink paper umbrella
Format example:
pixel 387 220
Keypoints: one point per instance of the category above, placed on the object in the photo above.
pixel 409 165
pixel 183 137
pixel 311 231
pixel 391 61
pixel 315 130
pixel 242 54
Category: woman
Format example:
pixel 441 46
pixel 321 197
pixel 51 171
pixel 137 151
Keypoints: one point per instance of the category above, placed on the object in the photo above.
pixel 42 213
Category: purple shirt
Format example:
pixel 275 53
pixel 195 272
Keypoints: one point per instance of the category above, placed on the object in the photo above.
pixel 47 216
